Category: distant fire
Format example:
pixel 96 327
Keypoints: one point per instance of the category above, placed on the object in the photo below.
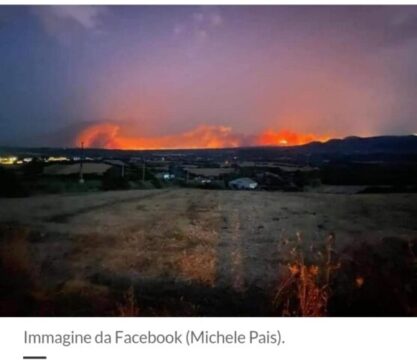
pixel 110 136
pixel 113 136
pixel 287 138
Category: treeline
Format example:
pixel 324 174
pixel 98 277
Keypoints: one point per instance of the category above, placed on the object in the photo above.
pixel 369 174
pixel 29 179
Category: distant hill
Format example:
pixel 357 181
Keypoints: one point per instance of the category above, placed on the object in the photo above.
pixel 370 145
pixel 379 147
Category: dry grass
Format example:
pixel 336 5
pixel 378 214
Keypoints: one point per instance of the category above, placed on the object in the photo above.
pixel 209 244
pixel 19 274
pixel 16 259
pixel 14 252
pixel 129 306
pixel 306 288
pixel 198 264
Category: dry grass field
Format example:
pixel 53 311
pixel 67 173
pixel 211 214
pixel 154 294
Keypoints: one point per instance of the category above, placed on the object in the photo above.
pixel 196 252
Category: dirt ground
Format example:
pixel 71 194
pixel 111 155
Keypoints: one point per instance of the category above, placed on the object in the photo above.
pixel 182 251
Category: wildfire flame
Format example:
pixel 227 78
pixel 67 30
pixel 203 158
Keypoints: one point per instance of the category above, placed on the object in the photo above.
pixel 287 138
pixel 113 136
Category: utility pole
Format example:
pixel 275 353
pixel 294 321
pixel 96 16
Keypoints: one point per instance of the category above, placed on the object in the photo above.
pixel 81 163
pixel 143 171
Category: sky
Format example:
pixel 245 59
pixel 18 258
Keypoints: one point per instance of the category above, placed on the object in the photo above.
pixel 205 76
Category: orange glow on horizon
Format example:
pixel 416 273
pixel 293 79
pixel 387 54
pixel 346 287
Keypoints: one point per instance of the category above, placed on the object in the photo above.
pixel 113 136
pixel 287 138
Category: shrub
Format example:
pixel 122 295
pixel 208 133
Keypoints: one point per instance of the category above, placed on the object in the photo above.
pixel 129 306
pixel 305 290
pixel 10 184
pixel 113 181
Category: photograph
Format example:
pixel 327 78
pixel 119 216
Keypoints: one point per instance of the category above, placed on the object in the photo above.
pixel 208 161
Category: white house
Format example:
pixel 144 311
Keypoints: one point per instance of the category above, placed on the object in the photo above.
pixel 243 184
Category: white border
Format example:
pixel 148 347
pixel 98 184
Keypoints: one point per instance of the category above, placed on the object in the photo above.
pixel 305 338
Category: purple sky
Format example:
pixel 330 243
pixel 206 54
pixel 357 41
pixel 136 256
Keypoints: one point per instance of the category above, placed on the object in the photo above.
pixel 163 70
